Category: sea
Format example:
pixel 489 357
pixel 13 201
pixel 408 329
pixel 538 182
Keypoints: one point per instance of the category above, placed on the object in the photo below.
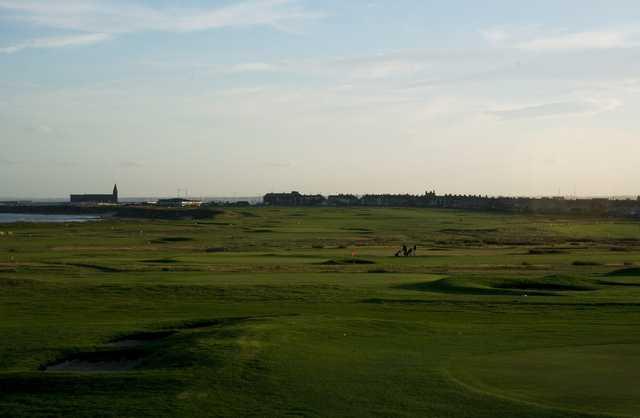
pixel 10 218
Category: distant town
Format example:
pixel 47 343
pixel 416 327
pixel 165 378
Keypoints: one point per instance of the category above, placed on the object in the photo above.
pixel 629 207
pixel 548 205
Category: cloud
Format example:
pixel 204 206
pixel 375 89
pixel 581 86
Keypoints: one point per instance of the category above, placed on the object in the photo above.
pixel 6 162
pixel 431 68
pixel 372 68
pixel 535 38
pixel 581 40
pixel 398 65
pixel 130 164
pixel 389 68
pixel 64 163
pixel 253 67
pixel 101 21
pixel 53 163
pixel 558 109
pixel 57 42
pixel 277 164
pixel 115 17
pixel 495 36
pixel 45 129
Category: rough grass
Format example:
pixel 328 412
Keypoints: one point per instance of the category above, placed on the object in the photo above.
pixel 566 377
pixel 535 286
pixel 223 321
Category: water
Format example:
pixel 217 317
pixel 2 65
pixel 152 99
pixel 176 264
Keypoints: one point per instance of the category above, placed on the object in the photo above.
pixel 28 217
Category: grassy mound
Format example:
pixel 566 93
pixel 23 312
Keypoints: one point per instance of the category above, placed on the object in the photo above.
pixel 544 286
pixel 144 349
pixel 161 261
pixel 167 240
pixel 555 283
pixel 593 379
pixel 360 230
pixel 583 263
pixel 143 336
pixel 632 271
pixel 618 283
pixel 346 261
pixel 379 271
pixel 542 251
pixel 458 286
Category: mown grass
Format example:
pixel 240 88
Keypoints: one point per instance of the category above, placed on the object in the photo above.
pixel 306 312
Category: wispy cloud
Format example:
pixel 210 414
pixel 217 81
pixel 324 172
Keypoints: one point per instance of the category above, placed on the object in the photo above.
pixel 123 17
pixel 57 42
pixel 384 68
pixel 130 164
pixel 365 68
pixel 582 40
pixel 30 162
pixel 253 67
pixel 100 21
pixel 7 162
pixel 495 36
pixel 277 164
pixel 397 65
pixel 558 109
pixel 541 39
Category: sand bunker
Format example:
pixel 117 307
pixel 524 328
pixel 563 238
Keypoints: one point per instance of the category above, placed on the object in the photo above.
pixel 128 352
pixel 121 354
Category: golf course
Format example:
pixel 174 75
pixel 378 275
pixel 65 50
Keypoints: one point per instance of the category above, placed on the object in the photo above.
pixel 307 312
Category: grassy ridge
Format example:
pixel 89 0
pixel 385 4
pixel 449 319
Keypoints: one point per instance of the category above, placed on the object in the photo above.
pixel 267 312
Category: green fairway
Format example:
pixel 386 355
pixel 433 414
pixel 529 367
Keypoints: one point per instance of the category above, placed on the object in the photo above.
pixel 598 378
pixel 306 312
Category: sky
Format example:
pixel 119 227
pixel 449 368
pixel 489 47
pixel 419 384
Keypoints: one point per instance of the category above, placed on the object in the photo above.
pixel 241 98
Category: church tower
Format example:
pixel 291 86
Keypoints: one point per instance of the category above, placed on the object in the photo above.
pixel 115 193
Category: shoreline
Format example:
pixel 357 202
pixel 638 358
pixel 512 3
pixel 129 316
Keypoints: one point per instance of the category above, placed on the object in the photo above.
pixel 134 212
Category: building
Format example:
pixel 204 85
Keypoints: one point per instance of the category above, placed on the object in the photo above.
pixel 179 202
pixel 293 199
pixel 343 200
pixel 96 198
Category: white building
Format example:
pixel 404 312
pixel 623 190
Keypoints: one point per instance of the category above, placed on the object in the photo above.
pixel 179 202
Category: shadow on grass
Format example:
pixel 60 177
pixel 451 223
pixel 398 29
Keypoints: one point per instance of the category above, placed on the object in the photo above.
pixel 458 286
pixel 168 240
pixel 161 349
pixel 544 286
pixel 633 271
pixel 102 269
pixel 161 261
pixel 346 261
